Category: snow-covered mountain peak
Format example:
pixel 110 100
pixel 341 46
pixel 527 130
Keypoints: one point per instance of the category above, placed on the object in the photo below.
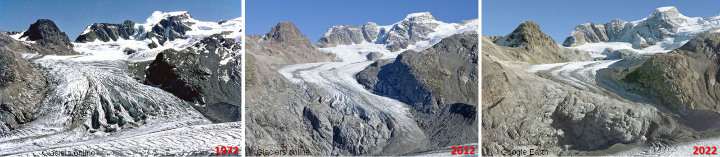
pixel 163 30
pixel 157 16
pixel 416 31
pixel 420 17
pixel 663 30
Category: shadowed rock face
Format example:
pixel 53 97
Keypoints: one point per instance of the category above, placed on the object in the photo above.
pixel 22 84
pixel 108 32
pixel 428 80
pixel 47 35
pixel 440 83
pixel 196 75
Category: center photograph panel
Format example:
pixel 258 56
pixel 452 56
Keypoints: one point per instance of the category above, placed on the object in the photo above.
pixel 361 77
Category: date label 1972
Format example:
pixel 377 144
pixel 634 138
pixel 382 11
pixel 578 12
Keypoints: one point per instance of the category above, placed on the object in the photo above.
pixel 226 150
pixel 463 150
pixel 705 150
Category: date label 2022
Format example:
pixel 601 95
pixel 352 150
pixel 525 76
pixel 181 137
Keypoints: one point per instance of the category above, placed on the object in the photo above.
pixel 226 150
pixel 463 150
pixel 705 150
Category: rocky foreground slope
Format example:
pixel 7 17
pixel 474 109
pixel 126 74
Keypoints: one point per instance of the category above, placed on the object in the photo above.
pixel 21 84
pixel 522 110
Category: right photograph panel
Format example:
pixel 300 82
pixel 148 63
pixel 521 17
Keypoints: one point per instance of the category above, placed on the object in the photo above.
pixel 565 79
pixel 362 78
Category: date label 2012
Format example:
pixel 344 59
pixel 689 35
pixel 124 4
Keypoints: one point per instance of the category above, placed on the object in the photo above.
pixel 705 150
pixel 463 150
pixel 226 150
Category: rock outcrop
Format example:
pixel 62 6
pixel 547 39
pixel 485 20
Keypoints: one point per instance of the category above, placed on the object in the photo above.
pixel 47 35
pixel 206 74
pixel 107 32
pixel 684 79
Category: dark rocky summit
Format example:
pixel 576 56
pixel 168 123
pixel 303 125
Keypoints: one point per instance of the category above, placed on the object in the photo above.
pixel 107 32
pixel 197 75
pixel 47 35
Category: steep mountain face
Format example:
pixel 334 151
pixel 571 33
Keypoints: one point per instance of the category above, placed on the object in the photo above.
pixel 683 80
pixel 22 85
pixel 46 34
pixel 285 44
pixel 665 28
pixel 107 32
pixel 201 74
pixel 440 83
pixel 415 29
pixel 276 102
pixel 531 45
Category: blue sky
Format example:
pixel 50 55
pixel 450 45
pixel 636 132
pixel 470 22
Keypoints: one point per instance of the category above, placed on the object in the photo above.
pixel 73 16
pixel 313 18
pixel 559 18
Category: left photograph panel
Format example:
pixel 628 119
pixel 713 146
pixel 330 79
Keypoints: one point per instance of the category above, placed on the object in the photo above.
pixel 86 78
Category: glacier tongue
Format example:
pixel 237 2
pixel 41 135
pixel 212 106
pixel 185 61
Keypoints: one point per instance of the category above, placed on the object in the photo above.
pixel 96 100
